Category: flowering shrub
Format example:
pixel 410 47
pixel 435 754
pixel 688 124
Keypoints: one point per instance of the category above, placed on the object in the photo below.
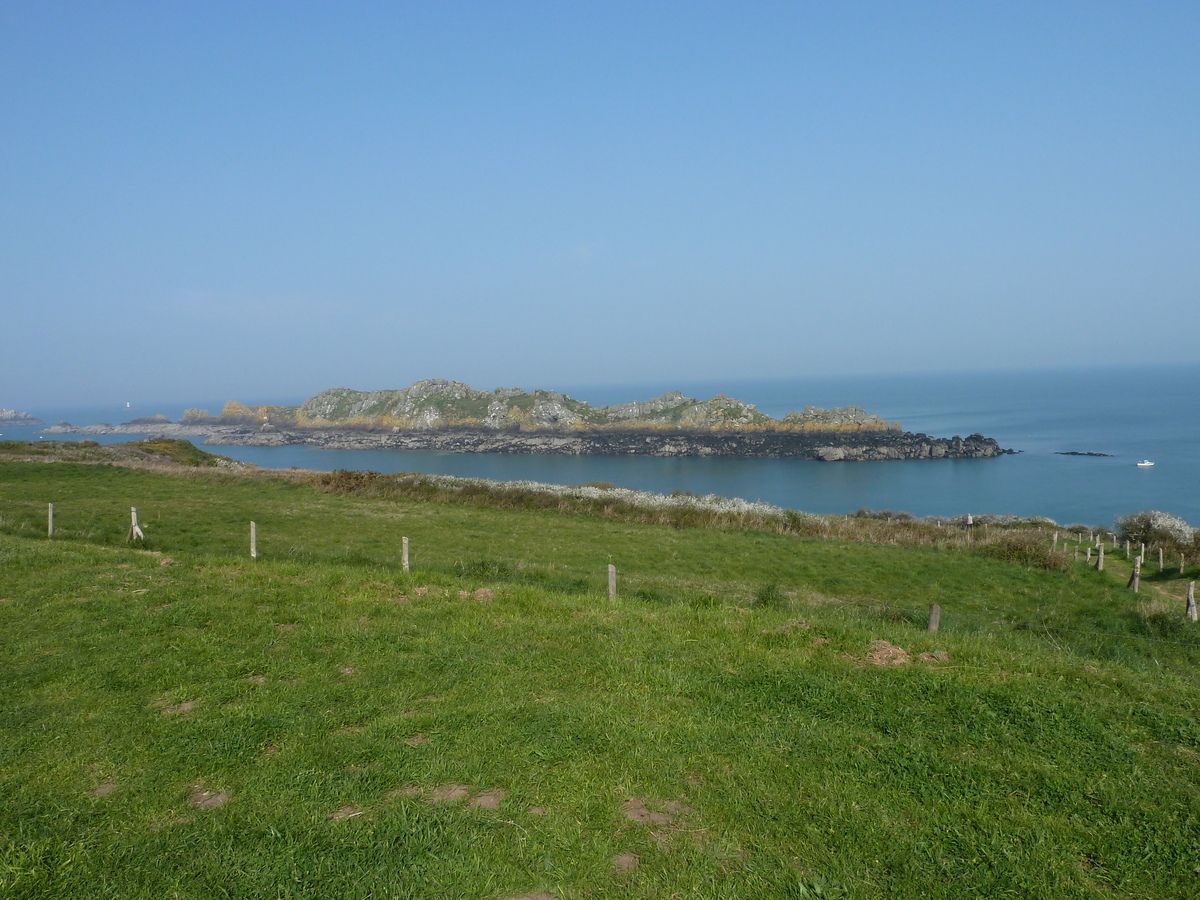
pixel 1154 527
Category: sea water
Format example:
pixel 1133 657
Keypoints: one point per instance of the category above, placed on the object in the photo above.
pixel 1129 414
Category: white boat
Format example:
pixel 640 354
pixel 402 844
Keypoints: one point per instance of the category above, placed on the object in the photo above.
pixel 1144 463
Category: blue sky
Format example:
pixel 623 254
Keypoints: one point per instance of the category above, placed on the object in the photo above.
pixel 262 200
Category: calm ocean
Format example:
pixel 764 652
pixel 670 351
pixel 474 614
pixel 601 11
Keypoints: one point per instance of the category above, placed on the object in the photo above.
pixel 1131 414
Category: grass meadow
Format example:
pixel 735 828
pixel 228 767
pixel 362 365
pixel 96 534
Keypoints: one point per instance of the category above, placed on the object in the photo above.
pixel 756 714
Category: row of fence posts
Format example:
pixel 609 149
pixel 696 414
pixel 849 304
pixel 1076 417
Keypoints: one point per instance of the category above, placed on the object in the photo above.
pixel 935 612
pixel 1135 579
pixel 136 533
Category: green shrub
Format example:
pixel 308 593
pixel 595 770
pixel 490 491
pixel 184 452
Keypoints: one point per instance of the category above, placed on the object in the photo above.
pixel 1024 550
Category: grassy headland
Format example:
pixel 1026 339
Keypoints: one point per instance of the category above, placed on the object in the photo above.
pixel 760 712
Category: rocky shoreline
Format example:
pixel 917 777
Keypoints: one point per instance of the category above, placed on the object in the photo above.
pixel 826 446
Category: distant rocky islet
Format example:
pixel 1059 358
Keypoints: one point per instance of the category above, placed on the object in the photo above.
pixel 11 418
pixel 437 414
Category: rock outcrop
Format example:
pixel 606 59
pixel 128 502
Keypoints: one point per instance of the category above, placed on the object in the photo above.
pixel 453 417
pixel 15 419
pixel 437 404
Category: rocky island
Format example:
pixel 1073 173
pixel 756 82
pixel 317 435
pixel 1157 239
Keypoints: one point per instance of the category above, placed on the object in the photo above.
pixel 13 419
pixel 436 414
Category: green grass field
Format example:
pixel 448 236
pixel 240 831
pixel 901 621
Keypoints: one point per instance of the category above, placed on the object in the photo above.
pixel 757 714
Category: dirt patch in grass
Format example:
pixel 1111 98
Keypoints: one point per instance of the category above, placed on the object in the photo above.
pixel 346 670
pixel 481 594
pixel 652 812
pixel 185 707
pixel 935 656
pixel 625 862
pixel 257 679
pixel 345 812
pixel 537 810
pixel 201 798
pixel 417 740
pixel 449 793
pixel 286 626
pixel 104 790
pixel 487 799
pixel 452 793
pixel 662 815
pixel 886 654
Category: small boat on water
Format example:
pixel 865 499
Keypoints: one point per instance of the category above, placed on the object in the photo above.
pixel 1144 464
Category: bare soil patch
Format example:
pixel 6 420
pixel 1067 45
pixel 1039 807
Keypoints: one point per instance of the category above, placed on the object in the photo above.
pixel 652 812
pixel 345 812
pixel 537 810
pixel 886 654
pixel 205 799
pixel 935 656
pixel 625 862
pixel 257 679
pixel 185 707
pixel 104 790
pixel 449 793
pixel 287 626
pixel 346 670
pixel 487 799
pixel 417 740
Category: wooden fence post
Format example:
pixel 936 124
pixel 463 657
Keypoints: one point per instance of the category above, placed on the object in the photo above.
pixel 253 540
pixel 935 615
pixel 404 553
pixel 612 582
pixel 1135 580
pixel 1054 548
pixel 134 531
pixel 50 522
pixel 1160 561
pixel 1191 601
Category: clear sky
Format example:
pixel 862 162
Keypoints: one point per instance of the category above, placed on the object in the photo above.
pixel 262 200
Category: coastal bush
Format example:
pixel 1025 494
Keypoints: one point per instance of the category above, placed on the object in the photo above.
pixel 1155 527
pixel 1024 549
